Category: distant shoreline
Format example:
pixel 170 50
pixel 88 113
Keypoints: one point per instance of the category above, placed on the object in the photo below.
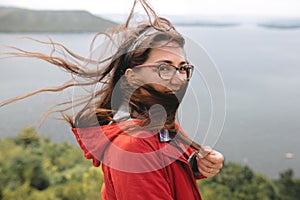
pixel 204 24
pixel 20 20
pixel 36 21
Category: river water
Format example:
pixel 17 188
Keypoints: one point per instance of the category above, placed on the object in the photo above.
pixel 260 70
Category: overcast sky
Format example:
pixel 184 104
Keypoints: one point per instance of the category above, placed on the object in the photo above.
pixel 167 7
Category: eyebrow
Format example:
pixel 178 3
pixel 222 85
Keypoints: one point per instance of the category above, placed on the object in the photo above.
pixel 170 62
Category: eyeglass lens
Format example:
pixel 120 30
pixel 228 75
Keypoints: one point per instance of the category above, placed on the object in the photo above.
pixel 168 71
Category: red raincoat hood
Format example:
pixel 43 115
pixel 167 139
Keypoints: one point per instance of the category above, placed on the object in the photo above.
pixel 94 140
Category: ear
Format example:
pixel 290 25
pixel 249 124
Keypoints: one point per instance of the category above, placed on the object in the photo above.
pixel 130 76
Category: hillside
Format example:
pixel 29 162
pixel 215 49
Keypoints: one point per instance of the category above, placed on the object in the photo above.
pixel 23 20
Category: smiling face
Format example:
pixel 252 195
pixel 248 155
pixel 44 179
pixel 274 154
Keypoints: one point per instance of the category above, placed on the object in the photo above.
pixel 148 72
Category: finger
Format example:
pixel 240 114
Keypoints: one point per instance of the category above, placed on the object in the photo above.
pixel 208 172
pixel 205 162
pixel 204 151
pixel 205 165
pixel 215 157
pixel 206 168
pixel 212 163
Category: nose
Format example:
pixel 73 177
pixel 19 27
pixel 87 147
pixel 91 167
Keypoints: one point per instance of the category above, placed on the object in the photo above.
pixel 178 79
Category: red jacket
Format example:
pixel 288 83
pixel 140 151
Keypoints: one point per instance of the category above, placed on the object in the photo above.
pixel 137 166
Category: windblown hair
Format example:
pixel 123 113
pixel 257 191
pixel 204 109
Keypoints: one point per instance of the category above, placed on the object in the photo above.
pixel 130 45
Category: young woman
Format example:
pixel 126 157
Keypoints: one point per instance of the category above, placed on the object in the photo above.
pixel 129 124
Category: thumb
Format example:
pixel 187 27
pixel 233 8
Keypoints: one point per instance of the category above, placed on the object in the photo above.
pixel 204 151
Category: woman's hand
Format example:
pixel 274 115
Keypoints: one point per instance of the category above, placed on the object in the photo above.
pixel 211 164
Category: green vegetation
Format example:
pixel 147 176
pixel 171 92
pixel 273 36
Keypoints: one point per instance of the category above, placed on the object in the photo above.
pixel 237 182
pixel 33 167
pixel 23 20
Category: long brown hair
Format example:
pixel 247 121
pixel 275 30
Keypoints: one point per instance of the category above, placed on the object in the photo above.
pixel 133 44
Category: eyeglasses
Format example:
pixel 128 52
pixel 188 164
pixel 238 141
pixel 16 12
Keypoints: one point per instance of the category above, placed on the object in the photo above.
pixel 167 71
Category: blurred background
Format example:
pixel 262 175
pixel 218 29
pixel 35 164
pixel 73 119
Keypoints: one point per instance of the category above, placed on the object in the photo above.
pixel 255 46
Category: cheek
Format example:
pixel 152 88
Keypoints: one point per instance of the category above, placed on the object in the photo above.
pixel 154 78
pixel 148 76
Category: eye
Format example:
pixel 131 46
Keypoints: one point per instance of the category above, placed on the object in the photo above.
pixel 165 68
pixel 183 69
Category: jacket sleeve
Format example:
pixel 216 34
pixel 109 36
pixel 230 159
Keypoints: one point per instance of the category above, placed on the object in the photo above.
pixel 139 186
pixel 192 158
pixel 194 166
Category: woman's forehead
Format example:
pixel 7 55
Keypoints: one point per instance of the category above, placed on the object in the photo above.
pixel 167 52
